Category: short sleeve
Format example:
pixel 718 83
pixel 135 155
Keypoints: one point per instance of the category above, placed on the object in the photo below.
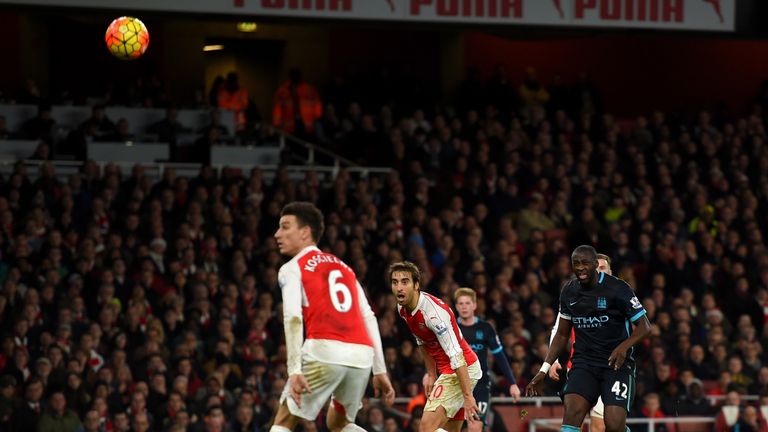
pixel 628 303
pixel 565 306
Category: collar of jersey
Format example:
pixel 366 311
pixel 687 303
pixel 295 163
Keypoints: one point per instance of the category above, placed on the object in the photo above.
pixel 306 250
pixel 419 304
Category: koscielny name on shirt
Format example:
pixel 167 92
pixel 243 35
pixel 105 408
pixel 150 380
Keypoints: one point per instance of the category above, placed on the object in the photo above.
pixel 311 264
pixel 590 322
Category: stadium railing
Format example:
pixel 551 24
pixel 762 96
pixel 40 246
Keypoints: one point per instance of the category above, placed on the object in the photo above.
pixel 541 413
pixel 683 424
pixel 155 170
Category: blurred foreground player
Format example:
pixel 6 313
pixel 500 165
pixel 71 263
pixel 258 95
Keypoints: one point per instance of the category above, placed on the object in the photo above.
pixel 596 414
pixel 445 351
pixel 322 293
pixel 599 307
pixel 482 337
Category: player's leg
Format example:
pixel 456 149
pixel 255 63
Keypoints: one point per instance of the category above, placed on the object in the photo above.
pixel 347 400
pixel 482 395
pixel 284 420
pixel 446 402
pixel 322 379
pixel 581 393
pixel 596 422
pixel 618 389
pixel 433 420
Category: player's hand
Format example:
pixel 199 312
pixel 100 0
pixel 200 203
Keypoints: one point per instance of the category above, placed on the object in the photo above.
pixel 514 392
pixel 471 411
pixel 383 389
pixel 428 382
pixel 617 357
pixel 298 384
pixel 536 386
pixel 554 371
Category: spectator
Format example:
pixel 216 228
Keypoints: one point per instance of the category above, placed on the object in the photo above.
pixel 297 106
pixel 7 400
pixel 651 408
pixel 5 134
pixel 730 412
pixel 694 403
pixel 57 418
pixel 41 127
pixel 27 414
pixel 90 422
pixel 231 96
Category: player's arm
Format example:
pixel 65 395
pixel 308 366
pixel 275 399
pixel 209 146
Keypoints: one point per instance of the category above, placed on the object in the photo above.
pixel 439 321
pixel 636 314
pixel 381 381
pixel 554 370
pixel 558 343
pixel 494 345
pixel 429 363
pixel 293 323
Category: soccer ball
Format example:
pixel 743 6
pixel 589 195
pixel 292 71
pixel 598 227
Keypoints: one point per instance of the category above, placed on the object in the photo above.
pixel 127 38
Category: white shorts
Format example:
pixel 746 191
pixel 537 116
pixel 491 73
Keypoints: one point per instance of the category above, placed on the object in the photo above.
pixel 598 409
pixel 447 393
pixel 344 384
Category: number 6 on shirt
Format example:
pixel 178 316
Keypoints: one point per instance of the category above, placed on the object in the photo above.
pixel 338 289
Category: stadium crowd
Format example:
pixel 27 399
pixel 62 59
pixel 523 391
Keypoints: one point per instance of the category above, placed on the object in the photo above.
pixel 128 303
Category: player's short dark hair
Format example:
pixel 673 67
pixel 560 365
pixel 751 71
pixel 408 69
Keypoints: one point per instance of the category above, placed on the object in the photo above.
pixel 585 249
pixel 407 267
pixel 306 215
pixel 604 257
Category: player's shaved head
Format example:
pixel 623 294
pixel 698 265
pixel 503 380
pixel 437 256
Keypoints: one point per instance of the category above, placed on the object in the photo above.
pixel 586 251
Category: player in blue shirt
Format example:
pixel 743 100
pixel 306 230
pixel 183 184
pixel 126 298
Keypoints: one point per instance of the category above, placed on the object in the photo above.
pixel 482 337
pixel 600 308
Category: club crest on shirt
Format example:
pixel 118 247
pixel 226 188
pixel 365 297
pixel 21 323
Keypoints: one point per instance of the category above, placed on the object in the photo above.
pixel 479 335
pixel 601 303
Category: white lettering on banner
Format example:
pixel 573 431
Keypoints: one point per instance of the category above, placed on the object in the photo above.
pixel 632 10
pixel 709 15
pixel 318 5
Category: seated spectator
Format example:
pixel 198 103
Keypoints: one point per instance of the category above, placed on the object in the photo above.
pixel 215 123
pixel 4 132
pixel 122 133
pixel 90 422
pixel 751 420
pixel 694 403
pixel 41 127
pixel 651 408
pixel 729 413
pixel 98 124
pixel 57 417
pixel 7 400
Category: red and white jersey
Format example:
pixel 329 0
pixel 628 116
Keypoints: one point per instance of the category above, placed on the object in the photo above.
pixel 434 326
pixel 324 292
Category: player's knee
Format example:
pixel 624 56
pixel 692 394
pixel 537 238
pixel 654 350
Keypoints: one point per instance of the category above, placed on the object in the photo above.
pixel 351 427
pixel 276 428
pixel 615 425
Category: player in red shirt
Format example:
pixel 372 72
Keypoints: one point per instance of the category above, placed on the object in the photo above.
pixel 444 350
pixel 321 295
